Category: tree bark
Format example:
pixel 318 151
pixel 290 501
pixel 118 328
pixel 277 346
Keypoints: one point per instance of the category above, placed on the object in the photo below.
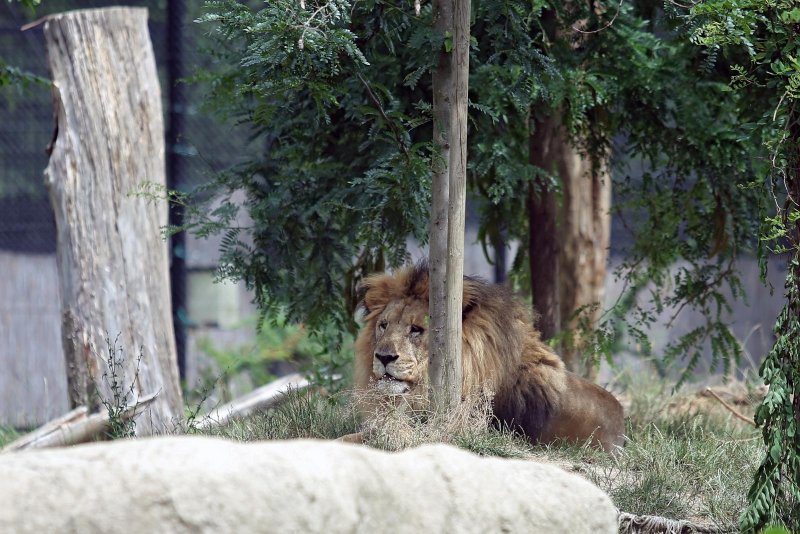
pixel 450 89
pixel 584 233
pixel 112 260
pixel 543 245
pixel 569 240
pixel 437 258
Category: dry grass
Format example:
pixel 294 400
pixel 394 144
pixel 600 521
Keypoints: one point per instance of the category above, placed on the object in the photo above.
pixel 469 427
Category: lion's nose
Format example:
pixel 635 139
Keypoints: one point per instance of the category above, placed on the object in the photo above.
pixel 386 359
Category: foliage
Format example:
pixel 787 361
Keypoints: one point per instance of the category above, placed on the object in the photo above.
pixel 685 187
pixel 339 178
pixel 276 341
pixel 625 80
pixel 120 424
pixel 13 76
pixel 344 176
pixel 7 435
pixel 775 493
pixel 29 4
pixel 764 33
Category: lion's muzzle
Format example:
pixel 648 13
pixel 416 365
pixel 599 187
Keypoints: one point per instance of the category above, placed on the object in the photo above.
pixel 389 377
pixel 386 358
pixel 388 385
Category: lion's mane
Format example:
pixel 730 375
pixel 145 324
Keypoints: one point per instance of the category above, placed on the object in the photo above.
pixel 502 356
pixel 502 353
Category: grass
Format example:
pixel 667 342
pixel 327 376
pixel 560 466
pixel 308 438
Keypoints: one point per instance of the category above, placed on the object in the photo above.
pixel 302 414
pixel 686 456
pixel 7 435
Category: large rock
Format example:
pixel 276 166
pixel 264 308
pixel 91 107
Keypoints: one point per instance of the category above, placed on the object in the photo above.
pixel 194 484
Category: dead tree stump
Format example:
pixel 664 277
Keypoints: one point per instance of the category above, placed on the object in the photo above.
pixel 112 260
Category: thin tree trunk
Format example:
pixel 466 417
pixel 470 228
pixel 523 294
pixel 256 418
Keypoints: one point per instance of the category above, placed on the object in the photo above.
pixel 458 197
pixel 437 263
pixel 112 261
pixel 450 86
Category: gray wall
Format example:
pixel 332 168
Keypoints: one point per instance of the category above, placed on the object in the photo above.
pixel 33 380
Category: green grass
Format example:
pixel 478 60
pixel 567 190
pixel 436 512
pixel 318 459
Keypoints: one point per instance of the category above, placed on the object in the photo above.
pixel 681 461
pixel 7 435
pixel 302 414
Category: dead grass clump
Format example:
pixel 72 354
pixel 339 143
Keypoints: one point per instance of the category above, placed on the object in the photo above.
pixel 472 427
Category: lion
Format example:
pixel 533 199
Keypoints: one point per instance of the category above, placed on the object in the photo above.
pixel 503 357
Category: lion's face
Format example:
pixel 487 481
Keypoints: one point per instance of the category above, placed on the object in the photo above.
pixel 400 361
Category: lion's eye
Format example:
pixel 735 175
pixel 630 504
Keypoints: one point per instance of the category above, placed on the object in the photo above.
pixel 382 325
pixel 416 330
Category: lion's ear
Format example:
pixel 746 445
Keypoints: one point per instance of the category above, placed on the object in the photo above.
pixel 375 292
pixel 361 293
pixel 472 290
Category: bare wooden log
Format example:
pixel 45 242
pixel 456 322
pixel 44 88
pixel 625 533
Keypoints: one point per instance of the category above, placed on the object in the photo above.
pixel 258 399
pixel 78 414
pixel 653 524
pixel 74 427
pixel 112 260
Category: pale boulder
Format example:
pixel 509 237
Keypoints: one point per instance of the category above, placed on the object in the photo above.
pixel 196 484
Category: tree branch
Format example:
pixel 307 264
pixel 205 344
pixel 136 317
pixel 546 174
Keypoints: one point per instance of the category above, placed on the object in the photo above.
pixel 730 408
pixel 389 121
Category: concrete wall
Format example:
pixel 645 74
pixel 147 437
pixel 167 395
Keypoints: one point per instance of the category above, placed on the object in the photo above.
pixel 33 377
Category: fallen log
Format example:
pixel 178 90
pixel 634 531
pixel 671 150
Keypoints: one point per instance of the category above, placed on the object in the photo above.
pixel 74 427
pixel 78 414
pixel 653 524
pixel 258 399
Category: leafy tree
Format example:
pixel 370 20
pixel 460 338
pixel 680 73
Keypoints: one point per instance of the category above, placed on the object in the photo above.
pixel 343 181
pixel 340 96
pixel 13 76
pixel 626 79
pixel 763 35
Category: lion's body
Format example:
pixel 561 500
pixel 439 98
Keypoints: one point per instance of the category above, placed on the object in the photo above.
pixel 502 354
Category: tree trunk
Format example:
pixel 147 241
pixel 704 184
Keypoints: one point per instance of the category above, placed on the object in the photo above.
pixel 437 262
pixel 543 245
pixel 568 241
pixel 583 233
pixel 450 85
pixel 112 261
